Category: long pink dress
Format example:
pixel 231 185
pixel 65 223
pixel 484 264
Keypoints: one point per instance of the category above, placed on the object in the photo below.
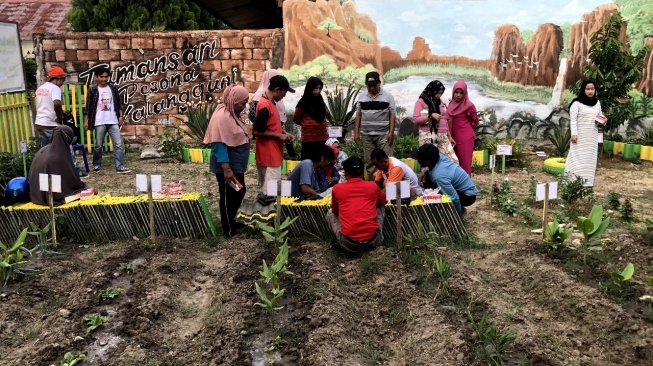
pixel 464 122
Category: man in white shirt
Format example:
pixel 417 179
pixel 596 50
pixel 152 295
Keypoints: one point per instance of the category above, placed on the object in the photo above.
pixel 48 105
pixel 103 110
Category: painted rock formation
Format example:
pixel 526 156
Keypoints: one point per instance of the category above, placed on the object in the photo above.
pixel 646 84
pixel 542 60
pixel 355 44
pixel 508 51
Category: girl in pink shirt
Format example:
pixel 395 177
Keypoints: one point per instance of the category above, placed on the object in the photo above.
pixel 433 127
pixel 464 122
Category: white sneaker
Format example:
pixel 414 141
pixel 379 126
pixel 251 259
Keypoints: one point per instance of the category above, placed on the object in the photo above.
pixel 123 170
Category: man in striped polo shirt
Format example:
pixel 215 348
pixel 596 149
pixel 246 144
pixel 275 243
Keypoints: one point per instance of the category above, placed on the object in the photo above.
pixel 375 120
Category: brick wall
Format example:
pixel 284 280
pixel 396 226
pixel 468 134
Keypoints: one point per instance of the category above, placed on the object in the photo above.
pixel 159 74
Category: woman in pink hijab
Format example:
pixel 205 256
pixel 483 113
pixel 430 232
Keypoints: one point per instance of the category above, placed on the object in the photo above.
pixel 227 135
pixel 463 121
pixel 265 83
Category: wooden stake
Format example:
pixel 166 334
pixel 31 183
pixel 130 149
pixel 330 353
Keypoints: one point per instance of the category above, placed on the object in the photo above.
pixel 400 236
pixel 277 217
pixel 150 206
pixel 545 210
pixel 53 222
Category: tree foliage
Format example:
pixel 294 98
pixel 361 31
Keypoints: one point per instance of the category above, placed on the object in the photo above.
pixel 328 24
pixel 139 15
pixel 639 15
pixel 614 69
pixel 526 35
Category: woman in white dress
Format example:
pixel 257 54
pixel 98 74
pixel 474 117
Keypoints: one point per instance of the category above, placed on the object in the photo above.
pixel 583 110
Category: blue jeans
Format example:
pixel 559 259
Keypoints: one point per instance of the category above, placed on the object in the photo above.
pixel 118 152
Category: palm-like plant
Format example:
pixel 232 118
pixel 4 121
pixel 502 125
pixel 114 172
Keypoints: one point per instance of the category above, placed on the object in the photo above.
pixel 341 107
pixel 198 118
pixel 561 140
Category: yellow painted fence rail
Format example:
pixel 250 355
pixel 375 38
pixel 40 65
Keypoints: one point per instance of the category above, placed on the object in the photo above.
pixel 15 121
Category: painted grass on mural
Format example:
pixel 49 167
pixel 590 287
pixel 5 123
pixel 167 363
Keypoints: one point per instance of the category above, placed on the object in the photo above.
pixel 480 75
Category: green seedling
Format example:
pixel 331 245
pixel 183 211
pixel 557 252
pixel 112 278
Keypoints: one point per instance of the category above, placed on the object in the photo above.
pixel 94 322
pixel 11 258
pixel 277 234
pixel 148 245
pixel 269 303
pixel 613 201
pixel 70 359
pixel 592 228
pixel 127 267
pixel 492 341
pixel 621 283
pixel 110 292
pixel 554 235
pixel 439 266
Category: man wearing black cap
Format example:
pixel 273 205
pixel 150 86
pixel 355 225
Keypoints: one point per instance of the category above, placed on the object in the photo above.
pixel 450 177
pixel 269 133
pixel 357 210
pixel 375 119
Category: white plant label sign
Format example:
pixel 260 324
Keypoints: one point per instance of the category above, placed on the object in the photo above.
pixel 504 149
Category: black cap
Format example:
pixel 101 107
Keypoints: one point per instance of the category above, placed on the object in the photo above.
pixel 354 166
pixel 372 78
pixel 425 152
pixel 280 81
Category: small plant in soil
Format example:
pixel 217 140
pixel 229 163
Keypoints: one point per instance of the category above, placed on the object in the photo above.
pixel 620 285
pixel 42 237
pixel 627 210
pixel 647 233
pixel 572 188
pixel 592 228
pixel 492 342
pixel 110 292
pixel 94 322
pixel 277 234
pixel 127 267
pixel 648 299
pixel 70 359
pixel 148 245
pixel 438 266
pixel 613 201
pixel 11 258
pixel 561 216
pixel 554 235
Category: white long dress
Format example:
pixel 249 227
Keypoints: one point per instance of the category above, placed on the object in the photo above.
pixel 581 160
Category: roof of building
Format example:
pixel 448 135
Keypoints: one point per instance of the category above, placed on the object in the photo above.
pixel 35 16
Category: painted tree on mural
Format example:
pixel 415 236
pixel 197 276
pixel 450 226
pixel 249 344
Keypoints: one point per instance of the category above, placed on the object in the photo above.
pixel 329 24
pixel 614 69
pixel 139 15
pixel 639 15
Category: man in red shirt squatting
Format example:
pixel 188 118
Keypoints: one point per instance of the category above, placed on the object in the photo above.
pixel 269 133
pixel 357 210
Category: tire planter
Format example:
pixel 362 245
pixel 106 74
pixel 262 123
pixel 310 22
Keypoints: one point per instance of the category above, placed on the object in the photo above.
pixel 555 166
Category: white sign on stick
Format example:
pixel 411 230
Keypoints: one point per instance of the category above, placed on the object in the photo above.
pixel 391 190
pixel 56 183
pixel 504 149
pixel 335 131
pixel 23 146
pixel 271 189
pixel 553 191
pixel 600 137
pixel 492 161
pixel 141 182
pixel 156 183
pixel 286 190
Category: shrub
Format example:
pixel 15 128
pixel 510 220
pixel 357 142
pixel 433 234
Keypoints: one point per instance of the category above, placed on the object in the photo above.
pixel 561 140
pixel 402 146
pixel 198 118
pixel 572 188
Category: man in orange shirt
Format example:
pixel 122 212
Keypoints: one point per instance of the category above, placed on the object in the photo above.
pixel 357 211
pixel 391 169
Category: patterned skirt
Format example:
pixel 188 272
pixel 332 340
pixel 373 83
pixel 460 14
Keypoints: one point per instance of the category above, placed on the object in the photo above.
pixel 441 141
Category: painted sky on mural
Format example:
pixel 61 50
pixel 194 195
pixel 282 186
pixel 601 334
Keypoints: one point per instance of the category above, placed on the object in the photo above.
pixel 464 27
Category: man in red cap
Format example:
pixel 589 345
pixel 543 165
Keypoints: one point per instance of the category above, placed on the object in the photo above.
pixel 48 104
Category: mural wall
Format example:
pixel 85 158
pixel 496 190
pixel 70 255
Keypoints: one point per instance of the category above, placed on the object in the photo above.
pixel 518 57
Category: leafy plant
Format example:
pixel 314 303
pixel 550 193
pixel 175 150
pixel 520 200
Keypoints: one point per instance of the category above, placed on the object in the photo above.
pixel 647 136
pixel 440 266
pixel 198 118
pixel 277 234
pixel 614 69
pixel 620 283
pixel 561 216
pixel 94 322
pixel 341 107
pixel 492 341
pixel 561 140
pixel 518 159
pixel 592 227
pixel 554 235
pixel 170 143
pixel 402 146
pixel 11 258
pixel 127 267
pixel 572 188
pixel 351 148
pixel 110 292
pixel 647 232
pixel 627 210
pixel 613 201
pixel 70 359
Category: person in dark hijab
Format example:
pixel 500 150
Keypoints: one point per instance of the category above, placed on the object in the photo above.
pixel 584 111
pixel 54 158
pixel 428 114
pixel 310 113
